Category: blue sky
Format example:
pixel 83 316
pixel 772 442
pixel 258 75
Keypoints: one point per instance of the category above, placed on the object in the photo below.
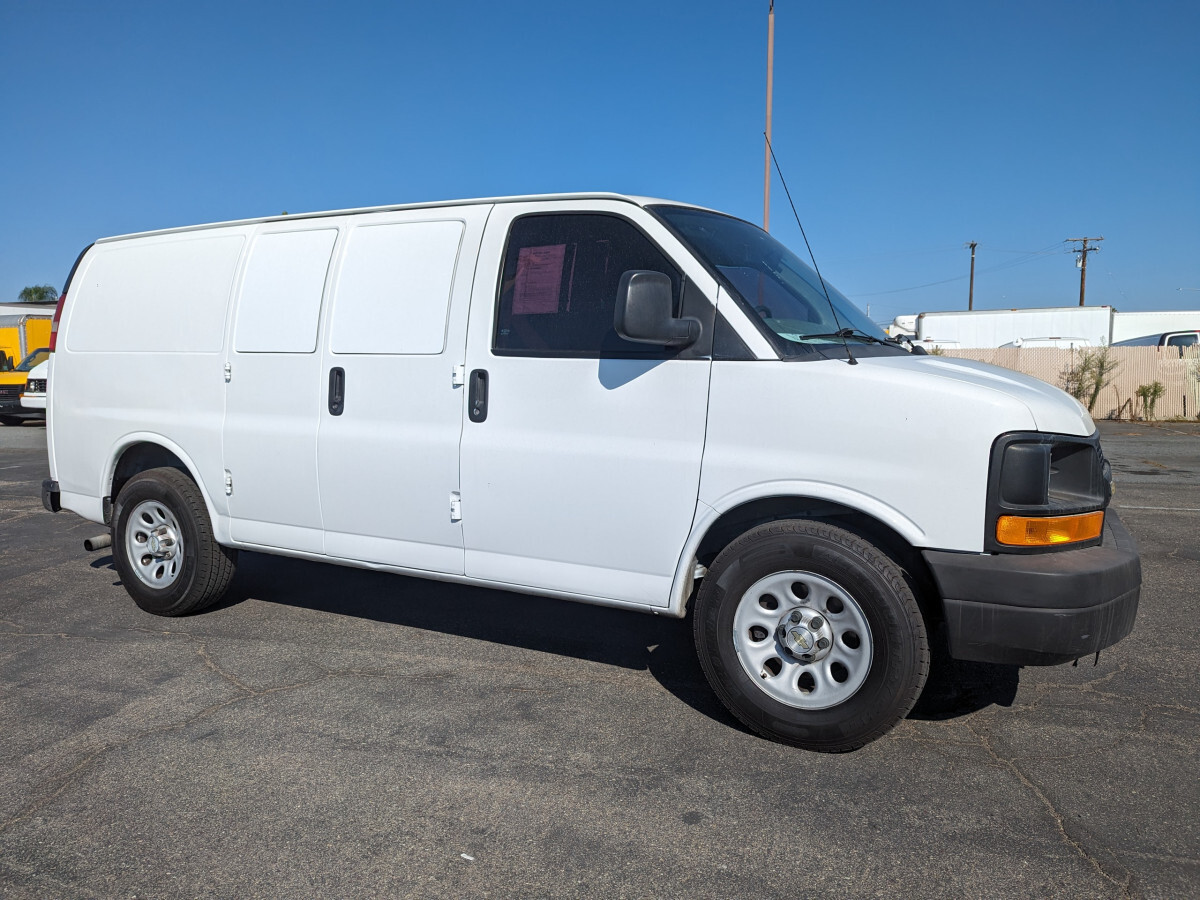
pixel 904 129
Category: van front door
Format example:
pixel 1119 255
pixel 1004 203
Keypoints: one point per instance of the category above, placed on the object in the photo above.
pixel 581 451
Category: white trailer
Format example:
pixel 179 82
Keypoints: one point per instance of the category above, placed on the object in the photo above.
pixel 1076 326
pixel 1129 325
pixel 903 327
pixel 1079 325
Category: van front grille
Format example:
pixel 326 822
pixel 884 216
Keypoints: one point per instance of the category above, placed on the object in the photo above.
pixel 10 391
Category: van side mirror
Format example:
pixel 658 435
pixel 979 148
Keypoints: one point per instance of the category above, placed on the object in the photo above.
pixel 643 311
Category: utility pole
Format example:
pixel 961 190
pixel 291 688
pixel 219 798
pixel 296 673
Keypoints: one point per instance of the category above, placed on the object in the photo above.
pixel 971 291
pixel 1083 252
pixel 767 152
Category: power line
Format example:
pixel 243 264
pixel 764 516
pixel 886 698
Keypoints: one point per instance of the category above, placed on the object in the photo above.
pixel 1029 257
pixel 915 287
pixel 1043 250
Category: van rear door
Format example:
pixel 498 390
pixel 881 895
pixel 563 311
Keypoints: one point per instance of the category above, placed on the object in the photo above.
pixel 273 398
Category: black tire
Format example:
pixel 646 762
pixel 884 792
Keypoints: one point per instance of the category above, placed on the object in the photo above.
pixel 811 564
pixel 198 572
pixel 11 420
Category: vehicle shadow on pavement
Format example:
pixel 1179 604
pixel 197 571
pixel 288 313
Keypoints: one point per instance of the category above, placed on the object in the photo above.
pixel 624 638
pixel 615 637
pixel 957 687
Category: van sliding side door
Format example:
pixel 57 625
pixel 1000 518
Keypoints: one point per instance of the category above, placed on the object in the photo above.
pixel 392 410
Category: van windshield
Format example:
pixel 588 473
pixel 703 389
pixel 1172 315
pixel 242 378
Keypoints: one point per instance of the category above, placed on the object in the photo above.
pixel 771 281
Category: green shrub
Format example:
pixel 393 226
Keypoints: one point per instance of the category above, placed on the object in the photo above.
pixel 1091 374
pixel 1149 394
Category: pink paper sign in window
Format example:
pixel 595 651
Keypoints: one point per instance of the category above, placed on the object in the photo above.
pixel 539 279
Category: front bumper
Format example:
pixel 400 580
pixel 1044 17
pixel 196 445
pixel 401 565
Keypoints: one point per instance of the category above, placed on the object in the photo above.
pixel 11 406
pixel 1040 609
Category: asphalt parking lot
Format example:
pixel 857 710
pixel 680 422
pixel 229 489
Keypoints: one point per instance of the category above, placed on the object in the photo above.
pixel 331 732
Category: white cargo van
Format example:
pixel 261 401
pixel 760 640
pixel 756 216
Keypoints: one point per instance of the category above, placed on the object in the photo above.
pixel 596 397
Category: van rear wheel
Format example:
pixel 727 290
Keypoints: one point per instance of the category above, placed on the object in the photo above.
pixel 811 636
pixel 163 545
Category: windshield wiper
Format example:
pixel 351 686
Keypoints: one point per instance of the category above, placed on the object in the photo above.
pixel 852 333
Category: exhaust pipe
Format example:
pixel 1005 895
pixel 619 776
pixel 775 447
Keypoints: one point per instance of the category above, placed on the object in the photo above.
pixel 99 542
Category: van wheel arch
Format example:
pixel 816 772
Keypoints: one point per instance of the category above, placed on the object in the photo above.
pixel 140 457
pixel 741 519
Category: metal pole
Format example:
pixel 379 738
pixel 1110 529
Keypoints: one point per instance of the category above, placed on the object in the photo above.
pixel 767 150
pixel 971 291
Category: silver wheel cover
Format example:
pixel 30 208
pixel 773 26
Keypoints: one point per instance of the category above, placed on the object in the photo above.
pixel 773 637
pixel 154 544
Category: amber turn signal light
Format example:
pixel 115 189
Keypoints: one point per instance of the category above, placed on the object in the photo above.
pixel 1026 531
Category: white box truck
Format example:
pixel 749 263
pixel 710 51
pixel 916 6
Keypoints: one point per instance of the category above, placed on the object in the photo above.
pixel 1078 326
pixel 1129 326
pixel 1052 326
pixel 597 397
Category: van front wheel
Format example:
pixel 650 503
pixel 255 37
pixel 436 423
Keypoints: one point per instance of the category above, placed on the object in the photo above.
pixel 163 545
pixel 811 636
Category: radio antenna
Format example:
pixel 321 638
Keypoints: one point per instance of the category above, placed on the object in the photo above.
pixel 816 268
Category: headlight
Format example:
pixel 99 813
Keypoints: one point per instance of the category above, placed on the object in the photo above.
pixel 35 386
pixel 1045 492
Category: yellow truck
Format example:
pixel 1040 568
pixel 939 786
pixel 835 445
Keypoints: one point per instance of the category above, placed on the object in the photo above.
pixel 20 335
pixel 12 385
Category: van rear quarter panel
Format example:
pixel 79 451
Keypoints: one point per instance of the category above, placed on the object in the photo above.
pixel 140 356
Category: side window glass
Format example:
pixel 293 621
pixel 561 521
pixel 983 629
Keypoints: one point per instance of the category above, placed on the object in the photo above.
pixel 559 285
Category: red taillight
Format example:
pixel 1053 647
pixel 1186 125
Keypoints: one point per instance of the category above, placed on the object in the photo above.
pixel 54 325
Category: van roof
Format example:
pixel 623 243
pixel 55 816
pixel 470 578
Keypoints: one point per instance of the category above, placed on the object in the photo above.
pixel 289 217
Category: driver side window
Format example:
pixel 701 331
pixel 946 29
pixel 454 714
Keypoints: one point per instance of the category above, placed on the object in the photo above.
pixel 559 286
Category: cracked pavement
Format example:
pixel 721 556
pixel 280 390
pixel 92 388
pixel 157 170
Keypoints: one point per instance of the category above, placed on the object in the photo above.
pixel 334 732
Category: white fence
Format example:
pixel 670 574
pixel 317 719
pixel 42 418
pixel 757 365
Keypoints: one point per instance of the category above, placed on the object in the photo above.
pixel 1179 374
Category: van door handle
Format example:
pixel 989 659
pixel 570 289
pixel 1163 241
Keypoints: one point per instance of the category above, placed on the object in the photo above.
pixel 337 391
pixel 478 397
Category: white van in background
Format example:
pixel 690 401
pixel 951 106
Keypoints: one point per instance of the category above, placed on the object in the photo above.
pixel 1054 343
pixel 596 397
pixel 34 394
pixel 1179 339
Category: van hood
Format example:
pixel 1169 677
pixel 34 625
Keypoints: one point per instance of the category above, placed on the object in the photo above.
pixel 1053 410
